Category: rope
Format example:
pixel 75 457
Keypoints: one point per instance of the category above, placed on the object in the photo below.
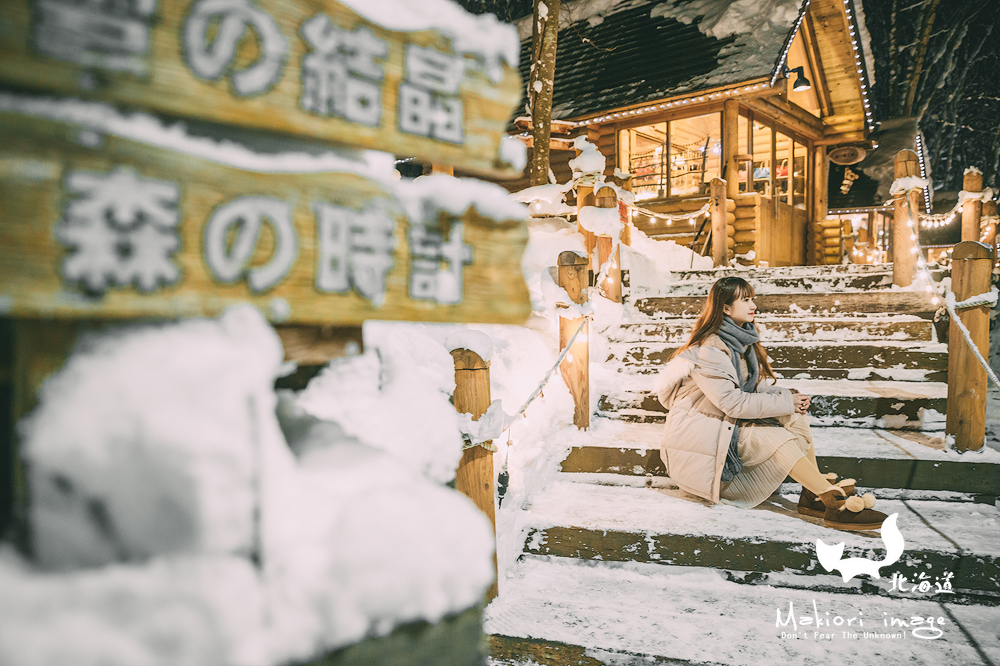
pixel 668 216
pixel 538 391
pixel 949 301
pixel 548 375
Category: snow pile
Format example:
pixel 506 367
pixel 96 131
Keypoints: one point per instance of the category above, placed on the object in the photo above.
pixel 242 529
pixel 906 183
pixel 424 198
pixel 547 238
pixel 140 445
pixel 590 159
pixel 395 399
pixel 601 221
pixel 760 28
pixel 478 35
pixel 650 263
pixel 546 199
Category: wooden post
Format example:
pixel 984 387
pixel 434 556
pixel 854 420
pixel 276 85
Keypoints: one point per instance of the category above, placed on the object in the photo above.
pixel 730 148
pixel 585 197
pixel 971 271
pixel 989 232
pixel 474 477
pixel 972 209
pixel 904 258
pixel 820 178
pixel 575 368
pixel 611 286
pixel 717 210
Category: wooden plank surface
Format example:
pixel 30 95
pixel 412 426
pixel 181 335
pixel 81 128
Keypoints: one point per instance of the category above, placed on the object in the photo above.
pixel 311 68
pixel 113 228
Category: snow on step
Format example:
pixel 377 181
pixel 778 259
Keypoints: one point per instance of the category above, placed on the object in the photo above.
pixel 909 361
pixel 973 528
pixel 696 615
pixel 814 304
pixel 835 402
pixel 792 329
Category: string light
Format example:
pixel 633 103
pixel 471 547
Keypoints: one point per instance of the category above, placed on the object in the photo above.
pixel 923 172
pixel 641 111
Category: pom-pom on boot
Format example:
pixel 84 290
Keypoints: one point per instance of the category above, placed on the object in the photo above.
pixel 811 505
pixel 850 513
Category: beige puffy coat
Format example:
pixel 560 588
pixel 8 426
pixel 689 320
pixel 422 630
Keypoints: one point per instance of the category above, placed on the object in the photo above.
pixel 700 389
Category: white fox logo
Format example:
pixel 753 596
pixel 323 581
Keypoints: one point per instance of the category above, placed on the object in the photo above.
pixel 830 556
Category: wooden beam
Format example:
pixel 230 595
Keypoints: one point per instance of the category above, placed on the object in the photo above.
pixel 730 145
pixel 816 65
pixel 841 137
pixel 770 111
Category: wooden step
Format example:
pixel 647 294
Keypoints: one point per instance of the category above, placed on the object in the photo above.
pixel 664 526
pixel 838 360
pixel 876 461
pixel 836 304
pixel 816 329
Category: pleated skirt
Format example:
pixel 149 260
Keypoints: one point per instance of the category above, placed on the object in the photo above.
pixel 768 453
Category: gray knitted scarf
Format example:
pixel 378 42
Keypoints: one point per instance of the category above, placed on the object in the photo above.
pixel 739 339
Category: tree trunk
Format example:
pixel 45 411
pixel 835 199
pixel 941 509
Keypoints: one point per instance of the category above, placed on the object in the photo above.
pixel 545 33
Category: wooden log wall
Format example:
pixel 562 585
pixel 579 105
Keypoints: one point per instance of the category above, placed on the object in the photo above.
pixel 558 162
pixel 683 232
pixel 604 137
pixel 824 242
pixel 746 222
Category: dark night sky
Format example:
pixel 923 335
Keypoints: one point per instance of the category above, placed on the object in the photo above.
pixel 956 94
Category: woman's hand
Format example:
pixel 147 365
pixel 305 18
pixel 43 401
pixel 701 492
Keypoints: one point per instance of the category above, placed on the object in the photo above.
pixel 801 402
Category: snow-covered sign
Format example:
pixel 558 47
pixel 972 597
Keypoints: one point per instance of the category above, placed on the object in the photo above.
pixel 105 226
pixel 433 81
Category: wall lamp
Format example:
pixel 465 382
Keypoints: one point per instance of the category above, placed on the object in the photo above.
pixel 801 82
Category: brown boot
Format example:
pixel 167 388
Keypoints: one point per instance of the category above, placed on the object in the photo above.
pixel 811 505
pixel 851 513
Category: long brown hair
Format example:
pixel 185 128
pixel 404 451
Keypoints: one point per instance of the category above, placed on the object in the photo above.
pixel 724 292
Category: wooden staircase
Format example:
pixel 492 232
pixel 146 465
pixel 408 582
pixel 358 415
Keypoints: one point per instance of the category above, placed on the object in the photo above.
pixel 612 524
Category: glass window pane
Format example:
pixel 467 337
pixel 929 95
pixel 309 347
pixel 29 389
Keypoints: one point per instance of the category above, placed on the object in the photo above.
pixel 695 154
pixel 800 173
pixel 761 165
pixel 642 152
pixel 782 169
pixel 744 154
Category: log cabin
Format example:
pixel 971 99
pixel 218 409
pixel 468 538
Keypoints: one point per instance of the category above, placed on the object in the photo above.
pixel 677 93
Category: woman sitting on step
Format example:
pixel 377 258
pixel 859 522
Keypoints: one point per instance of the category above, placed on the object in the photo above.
pixel 731 434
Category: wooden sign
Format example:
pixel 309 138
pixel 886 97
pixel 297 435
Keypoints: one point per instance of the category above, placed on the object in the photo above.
pixel 101 226
pixel 312 68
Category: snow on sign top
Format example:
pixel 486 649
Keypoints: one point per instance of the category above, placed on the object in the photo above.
pixel 419 79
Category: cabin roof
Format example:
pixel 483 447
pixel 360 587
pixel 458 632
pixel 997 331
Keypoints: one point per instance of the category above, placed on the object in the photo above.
pixel 643 50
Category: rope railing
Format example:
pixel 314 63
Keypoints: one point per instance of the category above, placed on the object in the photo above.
pixel 952 307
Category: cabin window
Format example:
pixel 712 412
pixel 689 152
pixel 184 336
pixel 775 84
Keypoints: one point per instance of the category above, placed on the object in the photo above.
pixel 761 163
pixel 672 159
pixel 744 156
pixel 800 175
pixel 783 166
